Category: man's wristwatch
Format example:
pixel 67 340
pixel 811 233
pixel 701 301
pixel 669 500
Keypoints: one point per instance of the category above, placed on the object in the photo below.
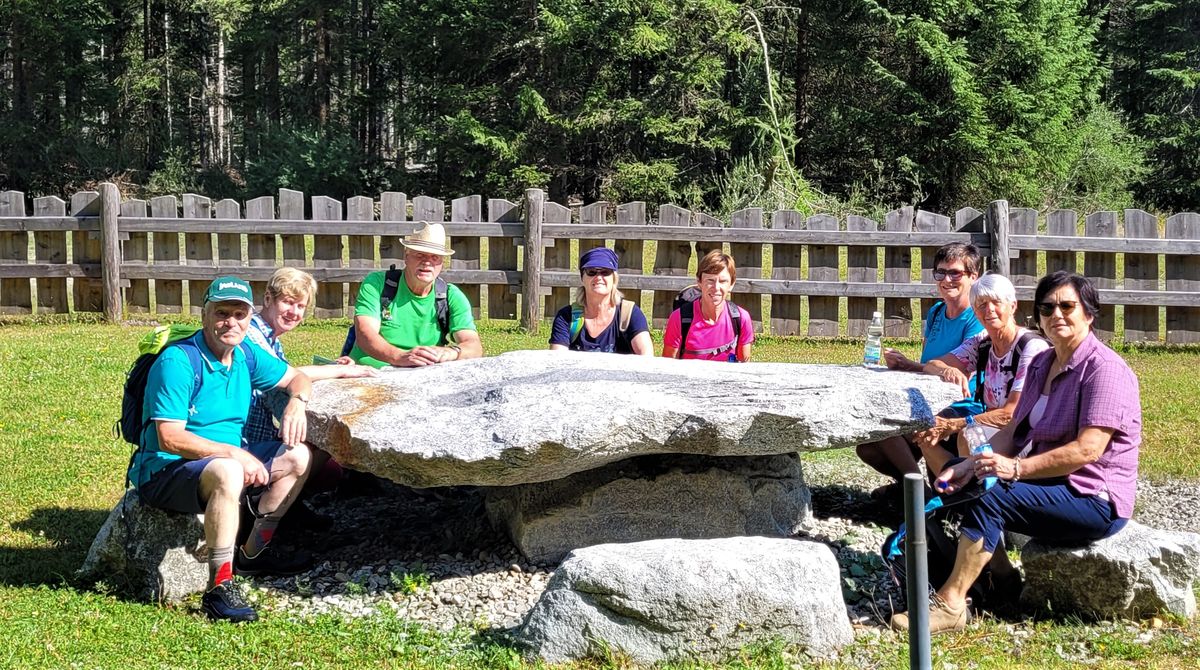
pixel 457 351
pixel 302 397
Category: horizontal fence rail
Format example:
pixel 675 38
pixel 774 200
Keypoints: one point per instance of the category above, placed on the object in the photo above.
pixel 797 275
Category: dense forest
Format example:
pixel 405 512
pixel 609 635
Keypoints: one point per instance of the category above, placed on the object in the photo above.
pixel 712 104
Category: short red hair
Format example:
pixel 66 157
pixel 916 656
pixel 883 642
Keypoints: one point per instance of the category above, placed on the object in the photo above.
pixel 714 262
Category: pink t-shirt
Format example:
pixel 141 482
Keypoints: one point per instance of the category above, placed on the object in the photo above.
pixel 707 342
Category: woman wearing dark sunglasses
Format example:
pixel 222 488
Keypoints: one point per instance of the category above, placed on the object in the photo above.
pixel 599 319
pixel 1067 463
pixel 948 324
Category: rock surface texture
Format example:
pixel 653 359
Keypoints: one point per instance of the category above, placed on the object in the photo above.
pixel 681 599
pixel 533 416
pixel 147 553
pixel 1138 572
pixel 653 497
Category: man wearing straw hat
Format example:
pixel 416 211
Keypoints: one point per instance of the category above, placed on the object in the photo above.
pixel 407 331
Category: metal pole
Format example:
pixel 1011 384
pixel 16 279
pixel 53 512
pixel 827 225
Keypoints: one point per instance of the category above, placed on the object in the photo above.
pixel 916 564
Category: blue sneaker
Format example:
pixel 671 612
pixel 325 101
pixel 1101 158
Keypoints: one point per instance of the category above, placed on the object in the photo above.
pixel 224 602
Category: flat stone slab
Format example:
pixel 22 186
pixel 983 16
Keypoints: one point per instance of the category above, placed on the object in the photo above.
pixel 533 416
pixel 684 599
pixel 653 497
pixel 147 553
pixel 1138 572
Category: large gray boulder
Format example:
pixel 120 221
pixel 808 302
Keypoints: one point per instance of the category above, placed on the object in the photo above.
pixel 652 497
pixel 680 599
pixel 1135 573
pixel 532 416
pixel 148 554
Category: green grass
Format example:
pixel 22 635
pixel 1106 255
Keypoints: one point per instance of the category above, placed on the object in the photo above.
pixel 61 471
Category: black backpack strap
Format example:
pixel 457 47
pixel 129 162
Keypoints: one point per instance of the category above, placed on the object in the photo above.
pixel 391 284
pixel 441 308
pixel 1018 348
pixel 735 317
pixel 938 308
pixel 1014 361
pixel 687 312
pixel 981 360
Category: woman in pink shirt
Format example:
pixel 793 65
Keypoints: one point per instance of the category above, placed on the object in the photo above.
pixel 705 329
pixel 1066 465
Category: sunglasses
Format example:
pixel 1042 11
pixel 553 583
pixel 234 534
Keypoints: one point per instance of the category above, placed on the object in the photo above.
pixel 954 275
pixel 1047 308
pixel 594 272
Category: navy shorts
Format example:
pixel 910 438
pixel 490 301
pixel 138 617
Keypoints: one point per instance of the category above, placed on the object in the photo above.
pixel 176 487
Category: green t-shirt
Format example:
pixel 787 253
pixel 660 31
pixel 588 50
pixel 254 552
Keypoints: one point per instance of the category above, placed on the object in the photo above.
pixel 411 321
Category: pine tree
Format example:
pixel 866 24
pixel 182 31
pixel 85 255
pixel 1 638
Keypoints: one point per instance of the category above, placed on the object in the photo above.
pixel 1155 49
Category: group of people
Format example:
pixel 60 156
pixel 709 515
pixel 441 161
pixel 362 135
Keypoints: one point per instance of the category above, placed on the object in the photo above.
pixel 1065 452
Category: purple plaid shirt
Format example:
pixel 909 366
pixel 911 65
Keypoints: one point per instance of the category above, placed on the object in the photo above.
pixel 1096 388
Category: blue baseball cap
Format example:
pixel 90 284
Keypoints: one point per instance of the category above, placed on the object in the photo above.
pixel 600 257
pixel 229 288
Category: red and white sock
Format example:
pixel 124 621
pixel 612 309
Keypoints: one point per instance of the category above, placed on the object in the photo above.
pixel 220 566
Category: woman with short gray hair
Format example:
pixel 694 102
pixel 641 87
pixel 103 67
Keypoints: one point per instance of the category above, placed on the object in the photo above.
pixel 999 356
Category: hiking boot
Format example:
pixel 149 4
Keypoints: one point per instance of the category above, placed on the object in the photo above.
pixel 272 561
pixel 224 602
pixel 301 517
pixel 941 617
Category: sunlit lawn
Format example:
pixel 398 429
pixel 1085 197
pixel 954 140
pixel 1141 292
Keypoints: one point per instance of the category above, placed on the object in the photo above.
pixel 61 471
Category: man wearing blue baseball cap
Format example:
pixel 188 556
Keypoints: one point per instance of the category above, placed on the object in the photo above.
pixel 192 459
pixel 600 319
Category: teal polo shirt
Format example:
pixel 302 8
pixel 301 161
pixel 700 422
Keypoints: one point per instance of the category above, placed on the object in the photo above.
pixel 943 335
pixel 220 408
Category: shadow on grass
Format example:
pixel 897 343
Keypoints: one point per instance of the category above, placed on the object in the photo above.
pixel 71 532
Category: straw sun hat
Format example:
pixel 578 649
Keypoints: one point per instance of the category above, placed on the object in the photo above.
pixel 429 240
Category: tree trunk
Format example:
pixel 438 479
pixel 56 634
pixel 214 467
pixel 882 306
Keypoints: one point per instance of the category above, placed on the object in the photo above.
pixel 222 111
pixel 250 105
pixel 271 82
pixel 800 159
pixel 321 74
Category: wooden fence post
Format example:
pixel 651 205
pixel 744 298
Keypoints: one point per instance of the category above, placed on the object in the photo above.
pixel 1183 275
pixel 531 276
pixel 15 296
pixel 110 257
pixel 997 228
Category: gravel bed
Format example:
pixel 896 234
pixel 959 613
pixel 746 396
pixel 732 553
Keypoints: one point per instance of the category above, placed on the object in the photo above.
pixel 430 556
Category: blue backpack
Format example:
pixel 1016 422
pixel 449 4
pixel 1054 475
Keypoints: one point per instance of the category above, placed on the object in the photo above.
pixel 132 423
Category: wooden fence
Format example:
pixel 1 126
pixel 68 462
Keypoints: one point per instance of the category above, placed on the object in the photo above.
pixel 98 253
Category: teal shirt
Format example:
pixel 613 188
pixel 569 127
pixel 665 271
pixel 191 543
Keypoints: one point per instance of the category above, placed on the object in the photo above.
pixel 220 408
pixel 943 335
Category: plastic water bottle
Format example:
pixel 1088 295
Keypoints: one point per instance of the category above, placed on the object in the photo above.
pixel 977 440
pixel 873 350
